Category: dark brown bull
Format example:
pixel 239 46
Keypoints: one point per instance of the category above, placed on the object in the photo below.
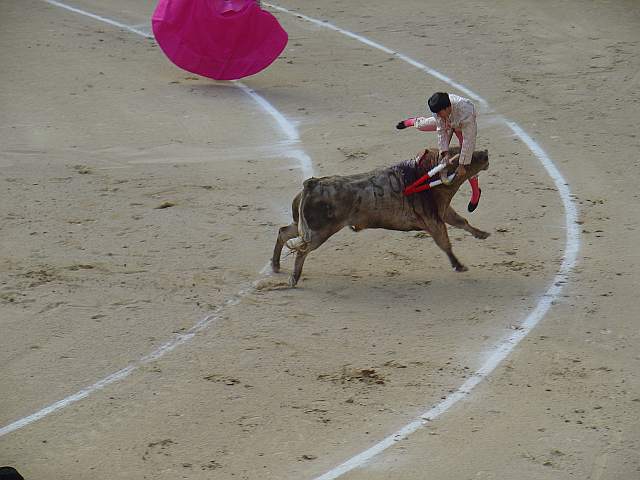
pixel 375 200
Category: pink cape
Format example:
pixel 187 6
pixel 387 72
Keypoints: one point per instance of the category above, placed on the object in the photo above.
pixel 219 39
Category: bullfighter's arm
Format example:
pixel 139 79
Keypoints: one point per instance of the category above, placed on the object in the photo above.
pixel 426 124
pixel 409 122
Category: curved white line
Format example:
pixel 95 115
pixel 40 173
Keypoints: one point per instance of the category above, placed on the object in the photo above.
pixel 502 349
pixel 99 18
pixel 434 73
pixel 287 127
pixel 291 151
pixel 505 346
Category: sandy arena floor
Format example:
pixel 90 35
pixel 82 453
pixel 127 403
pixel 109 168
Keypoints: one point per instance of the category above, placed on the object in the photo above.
pixel 140 204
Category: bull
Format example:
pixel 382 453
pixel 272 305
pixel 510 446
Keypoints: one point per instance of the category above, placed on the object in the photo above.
pixel 375 199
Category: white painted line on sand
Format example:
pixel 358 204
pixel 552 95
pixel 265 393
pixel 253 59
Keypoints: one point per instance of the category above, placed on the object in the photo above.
pixel 500 351
pixel 99 18
pixel 289 149
pixel 505 346
pixel 129 369
pixel 287 127
pixel 420 66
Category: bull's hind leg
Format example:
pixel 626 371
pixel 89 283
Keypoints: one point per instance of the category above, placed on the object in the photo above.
pixel 284 234
pixel 441 237
pixel 453 218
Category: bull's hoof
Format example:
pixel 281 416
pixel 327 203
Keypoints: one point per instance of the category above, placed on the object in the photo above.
pixel 293 281
pixel 482 235
pixel 460 268
pixel 275 266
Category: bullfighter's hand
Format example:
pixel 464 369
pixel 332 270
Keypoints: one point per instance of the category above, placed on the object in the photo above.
pixel 444 160
pixel 401 125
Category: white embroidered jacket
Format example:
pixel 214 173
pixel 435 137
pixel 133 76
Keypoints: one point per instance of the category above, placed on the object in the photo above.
pixel 463 118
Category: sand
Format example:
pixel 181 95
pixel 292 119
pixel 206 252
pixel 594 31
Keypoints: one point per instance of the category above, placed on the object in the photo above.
pixel 139 200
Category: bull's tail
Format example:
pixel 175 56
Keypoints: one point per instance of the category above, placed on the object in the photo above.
pixel 302 241
pixel 303 226
pixel 297 245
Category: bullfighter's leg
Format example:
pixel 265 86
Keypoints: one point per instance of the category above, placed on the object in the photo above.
pixel 284 234
pixel 441 237
pixel 452 218
pixel 476 191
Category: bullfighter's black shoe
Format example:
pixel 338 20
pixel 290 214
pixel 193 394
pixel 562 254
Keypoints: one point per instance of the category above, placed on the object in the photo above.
pixel 472 206
pixel 10 473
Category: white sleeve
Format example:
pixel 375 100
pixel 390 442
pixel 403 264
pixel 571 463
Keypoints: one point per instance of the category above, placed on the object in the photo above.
pixel 426 124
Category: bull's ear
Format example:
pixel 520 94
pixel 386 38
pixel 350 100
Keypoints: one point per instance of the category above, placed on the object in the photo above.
pixel 310 183
pixel 480 155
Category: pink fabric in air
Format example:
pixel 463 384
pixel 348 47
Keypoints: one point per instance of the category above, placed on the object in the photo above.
pixel 219 39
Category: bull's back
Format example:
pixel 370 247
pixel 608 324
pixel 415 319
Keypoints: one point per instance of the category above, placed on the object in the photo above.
pixel 372 199
pixel 380 202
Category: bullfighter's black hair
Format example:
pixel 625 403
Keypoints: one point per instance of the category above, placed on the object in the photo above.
pixel 438 101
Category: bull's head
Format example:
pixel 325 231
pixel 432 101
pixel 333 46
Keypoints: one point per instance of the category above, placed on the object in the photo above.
pixel 479 162
pixel 430 157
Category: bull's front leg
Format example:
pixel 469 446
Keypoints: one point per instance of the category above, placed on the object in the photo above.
pixel 441 237
pixel 453 218
pixel 284 234
pixel 317 238
pixel 297 268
